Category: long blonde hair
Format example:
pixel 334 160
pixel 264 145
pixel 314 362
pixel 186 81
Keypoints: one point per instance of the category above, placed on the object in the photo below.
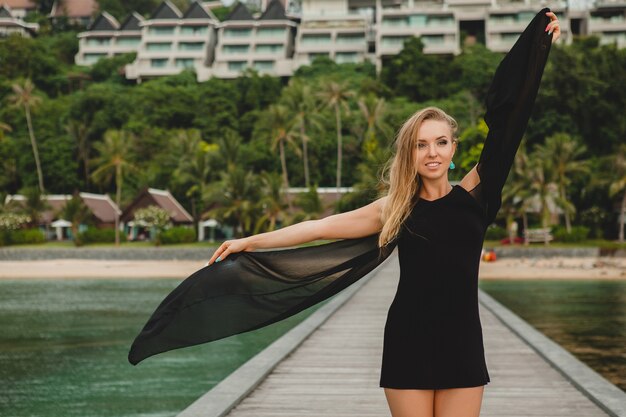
pixel 403 182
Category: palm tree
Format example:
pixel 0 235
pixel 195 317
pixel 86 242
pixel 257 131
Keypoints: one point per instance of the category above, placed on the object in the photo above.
pixel 4 128
pixel 194 168
pixel 373 110
pixel 113 163
pixel 281 129
pixel 298 97
pixel 80 132
pixel 24 96
pixel 272 202
pixel 539 183
pixel 235 197
pixel 618 184
pixel 76 212
pixel 336 95
pixel 565 164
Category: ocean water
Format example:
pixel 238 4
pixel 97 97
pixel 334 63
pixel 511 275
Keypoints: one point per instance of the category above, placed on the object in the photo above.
pixel 64 347
pixel 586 317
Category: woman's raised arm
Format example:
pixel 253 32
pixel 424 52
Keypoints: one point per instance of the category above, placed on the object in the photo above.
pixel 357 223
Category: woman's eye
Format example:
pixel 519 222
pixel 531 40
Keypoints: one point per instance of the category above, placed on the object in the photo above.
pixel 443 142
pixel 420 145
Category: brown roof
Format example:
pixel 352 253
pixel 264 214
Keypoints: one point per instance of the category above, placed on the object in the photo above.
pixel 74 8
pixel 160 198
pixel 19 4
pixel 101 206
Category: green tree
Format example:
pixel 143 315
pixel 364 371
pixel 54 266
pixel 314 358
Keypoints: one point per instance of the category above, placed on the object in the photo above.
pixel 565 164
pixel 272 202
pixel 618 184
pixel 76 212
pixel 298 96
pixel 114 162
pixel 280 129
pixel 336 95
pixel 155 218
pixel 24 96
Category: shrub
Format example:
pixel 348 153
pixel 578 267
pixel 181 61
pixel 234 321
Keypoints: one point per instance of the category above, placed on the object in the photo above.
pixel 95 235
pixel 178 235
pixel 578 234
pixel 26 236
pixel 496 233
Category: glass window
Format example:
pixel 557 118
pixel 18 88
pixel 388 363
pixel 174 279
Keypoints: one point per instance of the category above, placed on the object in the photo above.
pixel 351 38
pixel 158 46
pixel 432 39
pixel 91 58
pixel 314 55
pixel 268 49
pixel 264 65
pixel 395 21
pixel 393 40
pixel 235 49
pixel 237 32
pixel 439 21
pixel 161 30
pixel 98 41
pixel 311 39
pixel 128 41
pixel 193 30
pixel 418 20
pixel 343 57
pixel 270 31
pixel 184 62
pixel 237 65
pixel 158 63
pixel 190 46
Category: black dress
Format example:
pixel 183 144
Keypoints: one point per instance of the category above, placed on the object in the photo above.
pixel 433 337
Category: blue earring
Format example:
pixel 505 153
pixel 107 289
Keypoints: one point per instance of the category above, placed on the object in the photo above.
pixel 452 166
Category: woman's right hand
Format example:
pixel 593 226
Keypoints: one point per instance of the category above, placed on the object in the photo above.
pixel 228 247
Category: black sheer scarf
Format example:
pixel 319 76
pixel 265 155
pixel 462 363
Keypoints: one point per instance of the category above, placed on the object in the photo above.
pixel 249 290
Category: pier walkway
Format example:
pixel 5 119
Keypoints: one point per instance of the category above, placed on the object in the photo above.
pixel 335 371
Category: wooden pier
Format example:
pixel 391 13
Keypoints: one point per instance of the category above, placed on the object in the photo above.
pixel 335 371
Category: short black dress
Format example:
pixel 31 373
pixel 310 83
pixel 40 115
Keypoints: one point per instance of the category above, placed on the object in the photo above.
pixel 433 334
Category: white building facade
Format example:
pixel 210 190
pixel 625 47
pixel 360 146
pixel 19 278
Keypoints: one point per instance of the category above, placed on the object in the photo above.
pixel 277 43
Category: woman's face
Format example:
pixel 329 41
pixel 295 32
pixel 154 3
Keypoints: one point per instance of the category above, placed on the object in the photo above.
pixel 434 149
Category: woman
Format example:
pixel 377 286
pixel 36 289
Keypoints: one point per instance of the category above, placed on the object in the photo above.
pixel 433 360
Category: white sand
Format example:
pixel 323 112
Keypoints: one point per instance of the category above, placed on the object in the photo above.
pixel 506 268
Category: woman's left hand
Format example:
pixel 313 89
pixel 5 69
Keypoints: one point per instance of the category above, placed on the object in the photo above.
pixel 553 26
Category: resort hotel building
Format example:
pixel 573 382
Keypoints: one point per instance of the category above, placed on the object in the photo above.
pixel 287 34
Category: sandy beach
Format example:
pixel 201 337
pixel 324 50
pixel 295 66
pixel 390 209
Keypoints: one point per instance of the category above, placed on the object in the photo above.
pixel 507 268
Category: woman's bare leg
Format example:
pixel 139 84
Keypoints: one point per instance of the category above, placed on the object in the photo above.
pixel 410 402
pixel 458 402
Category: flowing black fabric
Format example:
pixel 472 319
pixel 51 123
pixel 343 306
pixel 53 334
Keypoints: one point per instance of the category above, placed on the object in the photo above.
pixel 249 290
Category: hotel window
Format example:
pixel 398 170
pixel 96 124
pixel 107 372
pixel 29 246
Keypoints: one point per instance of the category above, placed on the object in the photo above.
pixel 190 46
pixel 235 49
pixel 351 38
pixel 270 31
pixel 439 21
pixel 237 33
pixel 237 65
pixel 193 30
pixel 314 55
pixel 346 57
pixel 128 41
pixel 311 39
pixel 394 40
pixel 418 20
pixel 269 49
pixel 184 62
pixel 395 21
pixel 433 39
pixel 158 63
pixel 158 46
pixel 98 41
pixel 161 30
pixel 91 58
pixel 264 65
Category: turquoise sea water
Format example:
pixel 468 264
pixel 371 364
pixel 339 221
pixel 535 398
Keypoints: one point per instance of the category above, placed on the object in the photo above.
pixel 64 346
pixel 586 317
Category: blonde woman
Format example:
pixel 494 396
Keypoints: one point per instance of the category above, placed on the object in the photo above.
pixel 433 362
